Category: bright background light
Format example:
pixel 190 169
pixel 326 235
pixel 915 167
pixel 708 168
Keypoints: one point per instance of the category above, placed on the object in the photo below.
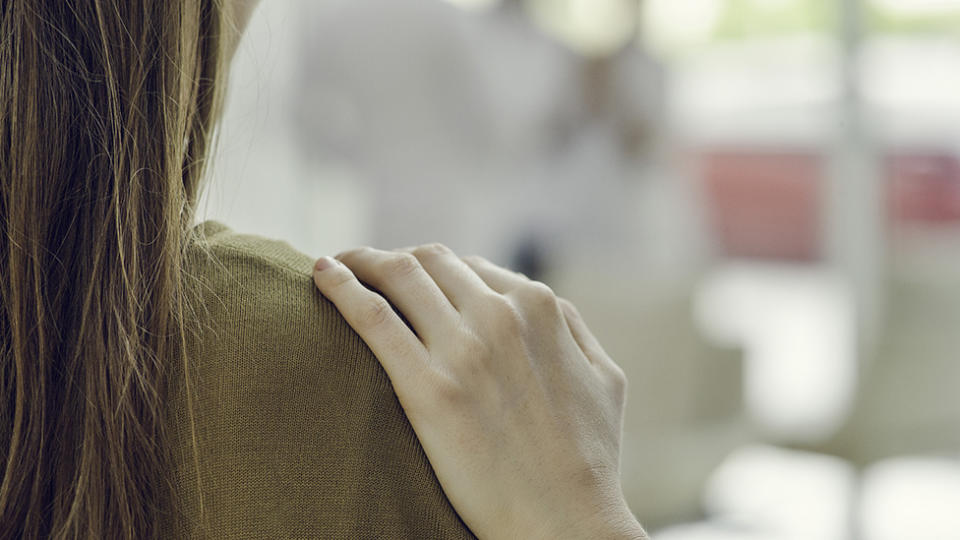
pixel 592 27
pixel 474 5
pixel 670 25
pixel 917 7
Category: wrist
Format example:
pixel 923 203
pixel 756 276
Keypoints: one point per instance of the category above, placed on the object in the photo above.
pixel 620 525
pixel 628 529
pixel 612 521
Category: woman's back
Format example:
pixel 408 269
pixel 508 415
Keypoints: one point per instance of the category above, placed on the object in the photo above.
pixel 298 431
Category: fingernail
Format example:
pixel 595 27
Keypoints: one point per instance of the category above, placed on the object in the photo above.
pixel 322 264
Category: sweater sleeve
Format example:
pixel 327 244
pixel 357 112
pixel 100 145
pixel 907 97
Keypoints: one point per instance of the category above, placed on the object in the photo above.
pixel 293 430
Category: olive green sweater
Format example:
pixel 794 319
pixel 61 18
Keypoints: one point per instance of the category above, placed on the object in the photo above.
pixel 299 433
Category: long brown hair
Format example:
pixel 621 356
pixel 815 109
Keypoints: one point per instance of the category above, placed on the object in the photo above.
pixel 106 114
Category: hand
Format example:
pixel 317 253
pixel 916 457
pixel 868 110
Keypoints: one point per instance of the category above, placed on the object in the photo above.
pixel 517 406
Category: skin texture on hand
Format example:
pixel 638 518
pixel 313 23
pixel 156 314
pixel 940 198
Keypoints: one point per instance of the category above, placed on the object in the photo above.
pixel 516 404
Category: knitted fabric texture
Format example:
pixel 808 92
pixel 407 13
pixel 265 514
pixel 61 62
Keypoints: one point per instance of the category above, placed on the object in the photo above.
pixel 298 431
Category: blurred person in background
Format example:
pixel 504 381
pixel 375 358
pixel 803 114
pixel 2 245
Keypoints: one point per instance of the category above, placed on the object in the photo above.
pixel 160 378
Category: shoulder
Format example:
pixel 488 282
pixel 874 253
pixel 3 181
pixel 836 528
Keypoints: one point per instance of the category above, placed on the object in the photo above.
pixel 259 292
pixel 297 428
pixel 249 250
pixel 260 318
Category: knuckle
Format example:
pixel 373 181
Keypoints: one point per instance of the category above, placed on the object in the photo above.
pixel 400 265
pixel 507 319
pixel 499 305
pixel 336 277
pixel 617 377
pixel 538 295
pixel 432 250
pixel 474 260
pixel 374 312
pixel 568 308
pixel 354 252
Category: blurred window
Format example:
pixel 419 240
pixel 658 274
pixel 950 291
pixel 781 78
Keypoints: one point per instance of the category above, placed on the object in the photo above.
pixel 474 4
pixel 910 76
pixel 765 204
pixel 913 16
pixel 590 27
pixel 910 68
pixel 924 187
pixel 675 28
pixel 748 72
pixel 758 18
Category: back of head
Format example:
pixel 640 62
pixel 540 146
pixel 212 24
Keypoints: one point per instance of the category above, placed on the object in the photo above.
pixel 106 113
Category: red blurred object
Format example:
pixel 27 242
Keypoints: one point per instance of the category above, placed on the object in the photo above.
pixel 924 187
pixel 765 204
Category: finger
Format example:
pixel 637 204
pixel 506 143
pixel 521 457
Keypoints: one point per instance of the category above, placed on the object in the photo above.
pixel 529 293
pixel 497 278
pixel 398 349
pixel 458 281
pixel 403 280
pixel 582 335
